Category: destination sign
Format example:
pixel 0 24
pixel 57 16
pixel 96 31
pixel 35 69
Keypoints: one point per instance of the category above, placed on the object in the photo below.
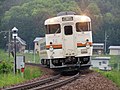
pixel 67 18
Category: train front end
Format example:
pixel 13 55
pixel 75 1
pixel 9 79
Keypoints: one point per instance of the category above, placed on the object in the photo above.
pixel 68 42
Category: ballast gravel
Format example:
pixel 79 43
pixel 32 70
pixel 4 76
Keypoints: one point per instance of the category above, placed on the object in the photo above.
pixel 90 81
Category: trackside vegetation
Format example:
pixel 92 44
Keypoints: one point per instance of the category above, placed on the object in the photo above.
pixel 11 79
pixel 31 57
pixel 7 77
pixel 112 75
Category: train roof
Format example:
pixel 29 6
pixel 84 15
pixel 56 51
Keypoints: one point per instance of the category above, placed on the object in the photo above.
pixel 59 19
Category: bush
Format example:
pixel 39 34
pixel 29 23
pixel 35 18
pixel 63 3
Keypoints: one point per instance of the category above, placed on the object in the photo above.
pixel 5 67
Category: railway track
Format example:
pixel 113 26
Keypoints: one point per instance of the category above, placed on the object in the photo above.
pixel 33 64
pixel 33 84
pixel 46 84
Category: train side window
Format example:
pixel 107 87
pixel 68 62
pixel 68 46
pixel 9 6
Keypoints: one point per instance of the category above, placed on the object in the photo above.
pixel 82 26
pixel 52 29
pixel 68 30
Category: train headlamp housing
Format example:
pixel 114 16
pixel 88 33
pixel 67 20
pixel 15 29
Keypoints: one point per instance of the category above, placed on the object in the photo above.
pixel 87 46
pixel 51 48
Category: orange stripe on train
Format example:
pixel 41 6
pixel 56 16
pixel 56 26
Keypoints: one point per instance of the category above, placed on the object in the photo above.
pixel 54 46
pixel 83 45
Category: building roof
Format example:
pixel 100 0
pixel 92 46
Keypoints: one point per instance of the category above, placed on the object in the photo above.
pixel 37 39
pixel 98 44
pixel 114 47
pixel 101 58
pixel 21 40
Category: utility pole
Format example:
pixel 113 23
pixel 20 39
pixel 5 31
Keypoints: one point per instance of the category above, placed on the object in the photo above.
pixel 34 55
pixel 105 41
pixel 9 43
pixel 14 35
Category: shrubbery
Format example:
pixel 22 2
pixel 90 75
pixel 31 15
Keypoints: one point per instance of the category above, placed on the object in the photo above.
pixel 5 67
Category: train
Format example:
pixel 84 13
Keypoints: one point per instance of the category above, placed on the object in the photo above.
pixel 67 44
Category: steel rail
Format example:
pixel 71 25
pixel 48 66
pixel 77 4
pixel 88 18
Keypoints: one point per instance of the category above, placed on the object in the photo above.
pixel 56 84
pixel 33 84
pixel 35 64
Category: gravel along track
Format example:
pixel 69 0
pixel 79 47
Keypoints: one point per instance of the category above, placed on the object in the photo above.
pixel 90 81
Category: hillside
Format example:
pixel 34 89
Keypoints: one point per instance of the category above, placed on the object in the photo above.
pixel 28 16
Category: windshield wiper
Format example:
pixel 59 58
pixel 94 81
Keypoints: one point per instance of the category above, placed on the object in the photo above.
pixel 80 29
pixel 56 31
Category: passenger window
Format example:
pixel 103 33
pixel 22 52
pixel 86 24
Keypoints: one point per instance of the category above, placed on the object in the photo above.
pixel 104 62
pixel 52 29
pixel 100 63
pixel 68 30
pixel 82 26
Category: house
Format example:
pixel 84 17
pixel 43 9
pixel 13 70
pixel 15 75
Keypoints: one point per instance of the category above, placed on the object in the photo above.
pixel 101 63
pixel 37 44
pixel 20 45
pixel 98 48
pixel 114 50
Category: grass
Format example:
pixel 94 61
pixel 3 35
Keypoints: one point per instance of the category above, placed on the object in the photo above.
pixel 30 57
pixel 30 72
pixel 4 55
pixel 114 61
pixel 112 75
pixel 10 79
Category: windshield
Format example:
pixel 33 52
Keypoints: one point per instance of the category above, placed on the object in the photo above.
pixel 82 26
pixel 52 29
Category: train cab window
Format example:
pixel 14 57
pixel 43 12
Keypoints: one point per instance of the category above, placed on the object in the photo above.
pixel 52 29
pixel 82 26
pixel 68 30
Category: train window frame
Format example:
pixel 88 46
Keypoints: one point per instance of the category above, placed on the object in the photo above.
pixel 83 30
pixel 49 30
pixel 70 30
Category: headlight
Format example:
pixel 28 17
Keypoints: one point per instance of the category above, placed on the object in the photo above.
pixel 51 48
pixel 87 46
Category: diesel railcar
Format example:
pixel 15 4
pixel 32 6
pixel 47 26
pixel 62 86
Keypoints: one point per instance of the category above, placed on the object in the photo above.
pixel 67 44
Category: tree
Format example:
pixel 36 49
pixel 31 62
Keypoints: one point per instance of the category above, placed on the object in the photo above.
pixel 29 17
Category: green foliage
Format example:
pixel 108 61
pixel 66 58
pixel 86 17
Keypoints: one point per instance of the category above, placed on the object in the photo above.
pixel 93 9
pixel 30 57
pixel 11 79
pixel 112 75
pixel 3 55
pixel 114 61
pixel 29 16
pixel 5 67
pixel 31 72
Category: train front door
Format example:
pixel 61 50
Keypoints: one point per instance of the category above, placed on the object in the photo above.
pixel 68 40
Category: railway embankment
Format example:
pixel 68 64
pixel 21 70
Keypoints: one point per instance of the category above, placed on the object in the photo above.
pixel 88 80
